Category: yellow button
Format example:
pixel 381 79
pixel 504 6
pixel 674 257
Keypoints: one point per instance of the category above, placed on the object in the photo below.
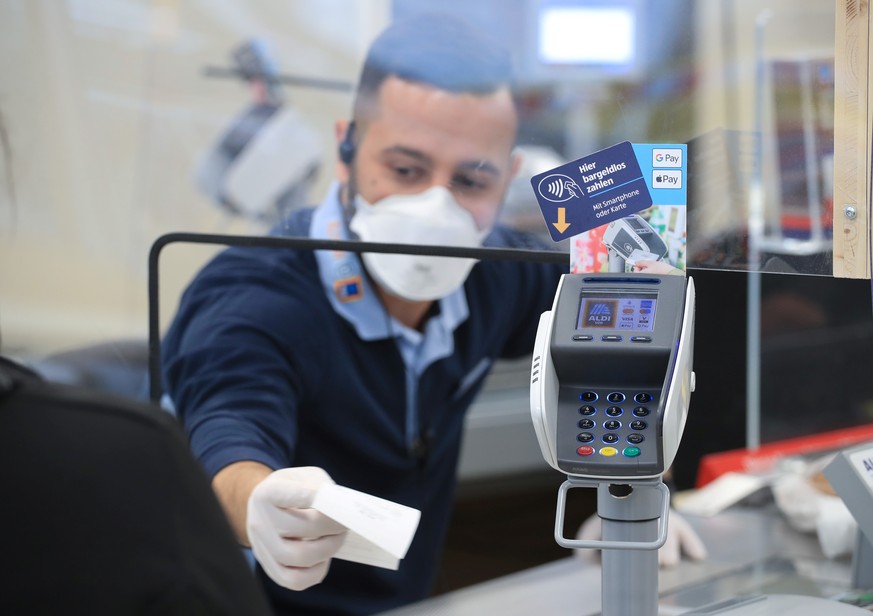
pixel 608 451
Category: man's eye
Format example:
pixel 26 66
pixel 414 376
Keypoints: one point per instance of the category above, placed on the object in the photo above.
pixel 407 173
pixel 467 183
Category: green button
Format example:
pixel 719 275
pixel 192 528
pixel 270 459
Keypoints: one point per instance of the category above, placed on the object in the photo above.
pixel 631 452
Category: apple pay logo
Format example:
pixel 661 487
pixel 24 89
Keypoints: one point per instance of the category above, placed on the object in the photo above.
pixel 666 157
pixel 666 178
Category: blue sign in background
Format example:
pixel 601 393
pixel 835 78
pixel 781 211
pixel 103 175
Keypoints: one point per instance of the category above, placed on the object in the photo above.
pixel 610 184
pixel 591 191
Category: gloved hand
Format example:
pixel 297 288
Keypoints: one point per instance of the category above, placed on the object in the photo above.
pixel 291 541
pixel 681 539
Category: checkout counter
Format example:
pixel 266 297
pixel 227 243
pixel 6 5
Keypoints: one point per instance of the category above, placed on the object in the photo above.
pixel 611 380
pixel 752 551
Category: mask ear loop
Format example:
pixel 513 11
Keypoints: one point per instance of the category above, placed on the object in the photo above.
pixel 347 147
pixel 346 152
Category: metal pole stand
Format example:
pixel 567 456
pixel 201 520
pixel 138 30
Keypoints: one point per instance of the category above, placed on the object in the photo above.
pixel 615 262
pixel 631 536
pixel 862 562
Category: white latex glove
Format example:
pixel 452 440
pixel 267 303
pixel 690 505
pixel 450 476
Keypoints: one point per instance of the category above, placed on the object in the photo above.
pixel 291 541
pixel 681 539
pixel 806 505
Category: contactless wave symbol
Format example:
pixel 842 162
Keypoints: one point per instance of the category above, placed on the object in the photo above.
pixel 558 188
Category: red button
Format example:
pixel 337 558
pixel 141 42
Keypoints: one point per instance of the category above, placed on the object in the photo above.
pixel 585 450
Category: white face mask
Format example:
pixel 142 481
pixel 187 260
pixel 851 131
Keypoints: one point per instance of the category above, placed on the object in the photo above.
pixel 430 218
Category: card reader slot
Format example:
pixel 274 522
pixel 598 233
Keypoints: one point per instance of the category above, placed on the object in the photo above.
pixel 622 281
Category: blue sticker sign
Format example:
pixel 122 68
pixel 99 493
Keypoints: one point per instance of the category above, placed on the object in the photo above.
pixel 595 190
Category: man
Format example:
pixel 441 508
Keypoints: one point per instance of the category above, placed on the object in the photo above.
pixel 363 368
pixel 292 369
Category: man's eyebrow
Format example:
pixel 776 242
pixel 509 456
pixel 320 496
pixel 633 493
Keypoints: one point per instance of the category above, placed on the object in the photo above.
pixel 480 166
pixel 406 151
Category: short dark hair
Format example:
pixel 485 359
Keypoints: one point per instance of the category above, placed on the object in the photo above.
pixel 436 50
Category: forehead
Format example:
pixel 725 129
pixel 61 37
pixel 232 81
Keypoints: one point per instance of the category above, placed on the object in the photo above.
pixel 464 126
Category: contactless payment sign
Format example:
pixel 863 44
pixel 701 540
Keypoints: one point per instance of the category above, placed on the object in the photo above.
pixel 592 191
pixel 610 184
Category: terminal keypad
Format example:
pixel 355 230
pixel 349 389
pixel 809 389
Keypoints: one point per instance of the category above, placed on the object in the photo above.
pixel 615 423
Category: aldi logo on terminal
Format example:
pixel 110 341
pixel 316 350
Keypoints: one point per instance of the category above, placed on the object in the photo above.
pixel 599 313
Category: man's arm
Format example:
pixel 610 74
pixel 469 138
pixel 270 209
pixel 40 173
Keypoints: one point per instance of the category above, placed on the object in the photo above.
pixel 233 485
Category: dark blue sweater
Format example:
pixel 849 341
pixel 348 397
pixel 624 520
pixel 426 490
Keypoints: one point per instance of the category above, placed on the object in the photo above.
pixel 260 367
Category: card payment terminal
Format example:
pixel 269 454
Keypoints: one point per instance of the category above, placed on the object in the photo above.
pixel 611 378
pixel 611 382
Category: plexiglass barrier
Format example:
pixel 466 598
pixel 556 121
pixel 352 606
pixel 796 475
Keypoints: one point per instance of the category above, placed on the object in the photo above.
pixel 123 122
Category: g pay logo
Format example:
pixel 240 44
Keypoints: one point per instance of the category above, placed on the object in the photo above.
pixel 666 157
pixel 558 188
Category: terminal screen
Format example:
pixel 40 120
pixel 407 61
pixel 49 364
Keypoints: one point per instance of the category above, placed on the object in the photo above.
pixel 622 311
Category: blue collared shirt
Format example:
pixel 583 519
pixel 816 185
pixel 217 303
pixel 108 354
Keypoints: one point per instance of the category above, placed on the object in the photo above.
pixel 365 312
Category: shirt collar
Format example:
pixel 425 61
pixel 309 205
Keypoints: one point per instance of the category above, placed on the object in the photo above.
pixel 353 298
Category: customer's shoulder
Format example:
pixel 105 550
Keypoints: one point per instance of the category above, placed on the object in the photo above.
pixel 22 388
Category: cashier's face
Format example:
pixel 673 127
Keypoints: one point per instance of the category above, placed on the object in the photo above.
pixel 416 137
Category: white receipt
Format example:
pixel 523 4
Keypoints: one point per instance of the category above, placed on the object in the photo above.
pixel 380 531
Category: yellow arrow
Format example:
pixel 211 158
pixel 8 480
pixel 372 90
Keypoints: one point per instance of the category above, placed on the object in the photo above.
pixel 562 223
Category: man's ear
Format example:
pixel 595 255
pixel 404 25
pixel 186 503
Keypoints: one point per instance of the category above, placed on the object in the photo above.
pixel 516 158
pixel 340 130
